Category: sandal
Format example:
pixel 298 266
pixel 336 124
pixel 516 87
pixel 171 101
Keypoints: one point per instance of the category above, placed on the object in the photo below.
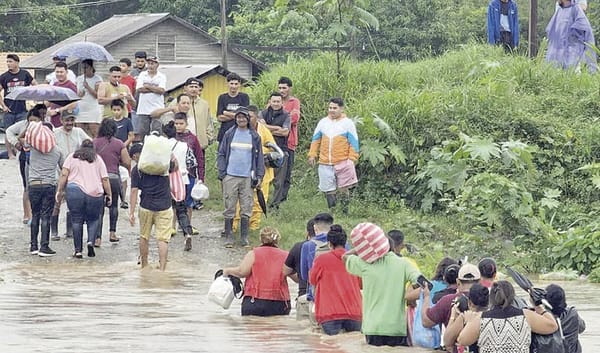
pixel 114 240
pixel 77 255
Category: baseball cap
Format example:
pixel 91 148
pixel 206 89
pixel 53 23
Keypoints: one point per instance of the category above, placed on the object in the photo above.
pixel 242 110
pixel 140 54
pixel 193 81
pixel 468 272
pixel 153 58
pixel 67 114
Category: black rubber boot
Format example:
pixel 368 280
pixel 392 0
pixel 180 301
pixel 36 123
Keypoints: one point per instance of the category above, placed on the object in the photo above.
pixel 345 202
pixel 228 232
pixel 54 226
pixel 244 227
pixel 331 200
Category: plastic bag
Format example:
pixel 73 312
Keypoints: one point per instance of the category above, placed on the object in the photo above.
pixel 552 343
pixel 221 292
pixel 156 155
pixel 200 192
pixel 177 185
pixel 422 336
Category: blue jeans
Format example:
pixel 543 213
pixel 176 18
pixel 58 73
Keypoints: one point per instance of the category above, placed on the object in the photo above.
pixel 41 197
pixel 334 327
pixel 11 118
pixel 83 208
pixel 113 210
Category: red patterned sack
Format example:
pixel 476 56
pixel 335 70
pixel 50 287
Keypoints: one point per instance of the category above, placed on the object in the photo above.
pixel 177 186
pixel 40 137
pixel 369 241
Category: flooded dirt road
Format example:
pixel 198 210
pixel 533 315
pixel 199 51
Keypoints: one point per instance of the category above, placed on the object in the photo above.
pixel 107 304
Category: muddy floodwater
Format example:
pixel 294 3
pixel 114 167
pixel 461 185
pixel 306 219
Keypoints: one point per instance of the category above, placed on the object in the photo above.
pixel 108 305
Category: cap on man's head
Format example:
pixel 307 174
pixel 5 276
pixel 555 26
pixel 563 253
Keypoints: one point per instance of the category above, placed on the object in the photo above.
pixel 469 272
pixel 67 114
pixel 59 58
pixel 193 81
pixel 242 110
pixel 153 58
pixel 140 54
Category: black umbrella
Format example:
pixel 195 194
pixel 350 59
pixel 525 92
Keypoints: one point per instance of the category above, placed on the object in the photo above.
pixel 537 294
pixel 261 200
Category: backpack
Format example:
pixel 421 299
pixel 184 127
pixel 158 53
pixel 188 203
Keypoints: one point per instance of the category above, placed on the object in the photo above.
pixel 552 343
pixel 321 247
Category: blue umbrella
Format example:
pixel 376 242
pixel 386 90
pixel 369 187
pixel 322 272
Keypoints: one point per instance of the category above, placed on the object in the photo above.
pixel 84 50
pixel 59 95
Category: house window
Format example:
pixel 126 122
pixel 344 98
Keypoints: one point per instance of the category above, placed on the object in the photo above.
pixel 165 47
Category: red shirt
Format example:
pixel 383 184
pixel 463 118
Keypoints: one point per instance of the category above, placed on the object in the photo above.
pixel 55 119
pixel 292 106
pixel 129 81
pixel 440 312
pixel 337 295
pixel 266 281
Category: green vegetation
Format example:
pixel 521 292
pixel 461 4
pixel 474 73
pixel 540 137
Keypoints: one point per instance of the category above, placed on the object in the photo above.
pixel 474 153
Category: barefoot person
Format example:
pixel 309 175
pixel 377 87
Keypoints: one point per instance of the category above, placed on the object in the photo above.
pixel 155 210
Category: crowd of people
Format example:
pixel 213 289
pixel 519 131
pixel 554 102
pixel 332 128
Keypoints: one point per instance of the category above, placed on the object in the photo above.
pixel 569 32
pixel 375 289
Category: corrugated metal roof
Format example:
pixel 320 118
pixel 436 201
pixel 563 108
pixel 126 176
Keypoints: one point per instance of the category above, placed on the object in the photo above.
pixel 177 74
pixel 104 33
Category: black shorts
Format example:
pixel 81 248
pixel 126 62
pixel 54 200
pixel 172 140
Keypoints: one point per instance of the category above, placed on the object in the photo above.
pixel 393 341
pixel 265 307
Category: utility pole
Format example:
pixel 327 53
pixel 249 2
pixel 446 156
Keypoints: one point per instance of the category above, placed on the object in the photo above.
pixel 533 47
pixel 224 34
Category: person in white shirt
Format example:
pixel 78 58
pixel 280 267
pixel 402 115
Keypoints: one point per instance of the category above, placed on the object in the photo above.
pixel 51 77
pixel 151 86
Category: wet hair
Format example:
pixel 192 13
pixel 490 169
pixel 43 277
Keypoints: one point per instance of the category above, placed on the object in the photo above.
pixel 169 129
pixel 180 116
pixel 479 296
pixel 555 295
pixel 336 236
pixel 275 94
pixel 397 237
pixel 269 236
pixel 114 69
pixel 108 128
pixel 285 81
pixel 487 267
pixel 337 100
pixel 441 268
pixel 451 273
pixel 135 149
pixel 502 294
pixel 14 57
pixel 234 77
pixel 61 64
pixel 253 109
pixel 182 95
pixel 37 111
pixel 86 152
pixel 117 103
pixel 126 61
pixel 310 227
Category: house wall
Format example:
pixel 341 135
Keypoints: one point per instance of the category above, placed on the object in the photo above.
pixel 190 48
pixel 214 85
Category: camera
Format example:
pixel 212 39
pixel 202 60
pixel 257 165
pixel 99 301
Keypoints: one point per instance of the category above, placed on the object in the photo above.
pixel 462 303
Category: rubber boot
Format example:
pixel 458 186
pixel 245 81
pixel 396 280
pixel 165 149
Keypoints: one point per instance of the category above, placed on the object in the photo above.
pixel 345 202
pixel 331 200
pixel 54 226
pixel 228 232
pixel 244 227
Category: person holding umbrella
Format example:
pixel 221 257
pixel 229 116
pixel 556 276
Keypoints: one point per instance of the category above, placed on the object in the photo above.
pixel 87 88
pixel 54 109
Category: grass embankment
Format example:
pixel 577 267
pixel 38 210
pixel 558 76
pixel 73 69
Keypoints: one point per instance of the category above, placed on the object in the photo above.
pixel 475 153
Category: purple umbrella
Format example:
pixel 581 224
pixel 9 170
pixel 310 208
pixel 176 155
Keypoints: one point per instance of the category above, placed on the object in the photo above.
pixel 59 95
pixel 84 50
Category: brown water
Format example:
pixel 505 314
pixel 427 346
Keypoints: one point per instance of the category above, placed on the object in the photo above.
pixel 75 307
